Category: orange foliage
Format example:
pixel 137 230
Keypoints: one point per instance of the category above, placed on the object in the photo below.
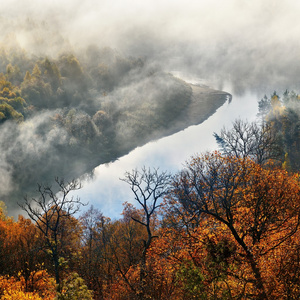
pixel 229 230
pixel 13 289
pixel 237 223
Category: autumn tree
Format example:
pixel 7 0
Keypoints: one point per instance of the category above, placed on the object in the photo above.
pixel 74 288
pixel 257 208
pixel 12 105
pixel 12 288
pixel 21 269
pixel 24 247
pixel 123 252
pixel 111 252
pixel 149 187
pixel 96 264
pixel 49 213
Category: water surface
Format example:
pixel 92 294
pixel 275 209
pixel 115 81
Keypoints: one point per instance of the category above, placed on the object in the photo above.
pixel 107 192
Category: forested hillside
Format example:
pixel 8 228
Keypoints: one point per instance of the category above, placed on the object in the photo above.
pixel 64 116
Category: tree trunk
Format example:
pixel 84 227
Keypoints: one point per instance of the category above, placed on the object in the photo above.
pixel 56 269
pixel 259 282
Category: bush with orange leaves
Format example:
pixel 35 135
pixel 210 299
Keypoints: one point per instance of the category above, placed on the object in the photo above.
pixel 42 287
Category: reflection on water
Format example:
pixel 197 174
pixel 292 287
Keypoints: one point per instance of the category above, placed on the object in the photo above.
pixel 107 192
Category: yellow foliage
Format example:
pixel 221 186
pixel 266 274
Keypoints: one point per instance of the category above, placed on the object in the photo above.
pixel 19 295
pixel 13 289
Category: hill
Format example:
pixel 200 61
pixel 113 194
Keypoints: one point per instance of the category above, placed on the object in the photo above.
pixel 64 116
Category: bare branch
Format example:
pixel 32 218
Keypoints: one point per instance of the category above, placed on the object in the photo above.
pixel 48 210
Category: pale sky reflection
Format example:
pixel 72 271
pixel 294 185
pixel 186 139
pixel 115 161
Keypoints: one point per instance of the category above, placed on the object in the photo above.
pixel 107 192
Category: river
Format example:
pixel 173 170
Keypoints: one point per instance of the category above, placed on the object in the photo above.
pixel 107 192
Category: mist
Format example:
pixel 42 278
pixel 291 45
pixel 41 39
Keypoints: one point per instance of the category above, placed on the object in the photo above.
pixel 249 45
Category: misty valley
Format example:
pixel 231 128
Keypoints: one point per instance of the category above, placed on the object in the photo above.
pixel 66 116
pixel 61 118
pixel 149 150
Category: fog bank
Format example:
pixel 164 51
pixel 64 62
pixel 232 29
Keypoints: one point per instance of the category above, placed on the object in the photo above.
pixel 249 42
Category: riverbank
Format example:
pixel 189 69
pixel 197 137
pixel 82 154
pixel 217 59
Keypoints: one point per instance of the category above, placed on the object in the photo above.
pixel 204 102
pixel 106 192
pixel 187 105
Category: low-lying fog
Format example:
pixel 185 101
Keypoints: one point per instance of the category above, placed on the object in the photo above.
pixel 252 43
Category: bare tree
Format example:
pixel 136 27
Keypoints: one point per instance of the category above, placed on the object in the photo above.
pixel 148 187
pixel 48 212
pixel 258 142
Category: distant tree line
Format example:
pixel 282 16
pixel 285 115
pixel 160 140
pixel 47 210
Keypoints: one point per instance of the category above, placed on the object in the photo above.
pixel 274 135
